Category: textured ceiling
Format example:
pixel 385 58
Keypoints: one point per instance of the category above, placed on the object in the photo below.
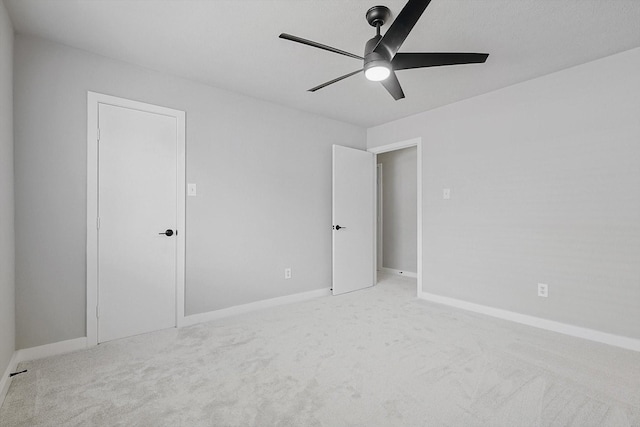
pixel 234 44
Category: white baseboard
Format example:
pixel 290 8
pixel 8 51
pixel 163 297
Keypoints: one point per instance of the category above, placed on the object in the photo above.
pixel 537 322
pixel 399 272
pixel 5 381
pixel 52 349
pixel 253 306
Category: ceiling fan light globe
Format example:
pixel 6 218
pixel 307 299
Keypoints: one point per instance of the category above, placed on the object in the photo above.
pixel 377 73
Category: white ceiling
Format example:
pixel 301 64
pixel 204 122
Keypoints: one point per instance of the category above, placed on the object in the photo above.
pixel 234 44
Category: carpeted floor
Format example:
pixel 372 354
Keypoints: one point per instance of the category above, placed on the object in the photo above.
pixel 377 357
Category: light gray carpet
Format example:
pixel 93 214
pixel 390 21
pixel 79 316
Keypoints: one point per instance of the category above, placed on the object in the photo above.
pixel 378 357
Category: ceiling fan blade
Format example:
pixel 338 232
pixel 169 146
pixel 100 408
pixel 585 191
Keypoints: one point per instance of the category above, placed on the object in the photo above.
pixel 313 89
pixel 405 61
pixel 392 85
pixel 401 27
pixel 318 45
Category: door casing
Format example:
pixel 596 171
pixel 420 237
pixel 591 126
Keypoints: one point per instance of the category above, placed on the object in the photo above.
pixel 93 101
pixel 379 217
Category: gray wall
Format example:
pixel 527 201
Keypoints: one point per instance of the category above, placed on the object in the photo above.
pixel 399 209
pixel 7 282
pixel 264 188
pixel 544 180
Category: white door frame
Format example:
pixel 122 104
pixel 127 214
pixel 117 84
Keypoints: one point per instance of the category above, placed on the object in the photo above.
pixel 379 212
pixel 415 142
pixel 93 101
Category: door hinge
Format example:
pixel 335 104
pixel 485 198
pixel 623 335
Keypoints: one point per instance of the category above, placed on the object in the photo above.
pixel 98 223
pixel 98 134
pixel 97 311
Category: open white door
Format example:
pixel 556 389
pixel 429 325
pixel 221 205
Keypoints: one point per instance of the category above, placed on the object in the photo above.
pixel 353 219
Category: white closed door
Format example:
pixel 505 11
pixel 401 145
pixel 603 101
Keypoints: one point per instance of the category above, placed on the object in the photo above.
pixel 137 203
pixel 353 219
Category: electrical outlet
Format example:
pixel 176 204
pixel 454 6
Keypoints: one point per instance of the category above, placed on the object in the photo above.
pixel 543 290
pixel 287 273
pixel 446 193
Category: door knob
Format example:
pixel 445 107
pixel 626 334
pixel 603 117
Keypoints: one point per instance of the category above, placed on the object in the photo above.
pixel 169 232
pixel 337 227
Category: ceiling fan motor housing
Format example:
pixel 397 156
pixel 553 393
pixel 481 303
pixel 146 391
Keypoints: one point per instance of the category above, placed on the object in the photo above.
pixel 374 59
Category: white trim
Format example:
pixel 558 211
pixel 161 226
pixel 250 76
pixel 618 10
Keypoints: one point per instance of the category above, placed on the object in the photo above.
pixel 92 214
pixel 5 381
pixel 375 222
pixel 396 146
pixel 379 212
pixel 537 322
pixel 53 349
pixel 93 100
pixel 415 142
pixel 181 218
pixel 254 306
pixel 399 272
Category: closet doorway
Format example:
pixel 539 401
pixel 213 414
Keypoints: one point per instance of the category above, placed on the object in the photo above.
pixel 399 209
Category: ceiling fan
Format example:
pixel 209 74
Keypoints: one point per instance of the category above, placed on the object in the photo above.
pixel 381 56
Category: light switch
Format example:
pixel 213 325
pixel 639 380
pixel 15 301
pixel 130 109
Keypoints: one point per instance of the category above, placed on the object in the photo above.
pixel 446 193
pixel 191 189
